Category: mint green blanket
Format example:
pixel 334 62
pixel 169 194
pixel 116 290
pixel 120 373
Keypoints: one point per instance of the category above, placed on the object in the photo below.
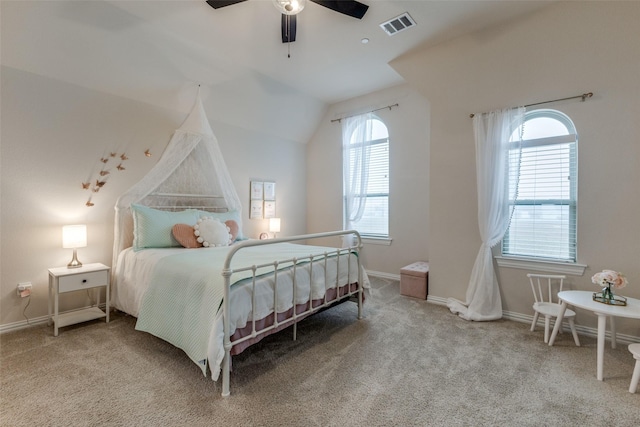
pixel 187 289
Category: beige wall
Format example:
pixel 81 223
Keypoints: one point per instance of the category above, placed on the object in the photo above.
pixel 53 134
pixel 565 49
pixel 408 126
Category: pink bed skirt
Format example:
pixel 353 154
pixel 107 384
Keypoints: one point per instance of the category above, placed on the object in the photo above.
pixel 285 319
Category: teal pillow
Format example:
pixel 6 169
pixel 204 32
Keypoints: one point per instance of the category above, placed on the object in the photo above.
pixel 225 216
pixel 152 227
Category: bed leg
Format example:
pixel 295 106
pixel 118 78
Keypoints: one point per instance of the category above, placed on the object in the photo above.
pixel 295 331
pixel 226 360
pixel 225 373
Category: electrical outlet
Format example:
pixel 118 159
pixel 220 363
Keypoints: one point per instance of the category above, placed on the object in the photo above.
pixel 24 289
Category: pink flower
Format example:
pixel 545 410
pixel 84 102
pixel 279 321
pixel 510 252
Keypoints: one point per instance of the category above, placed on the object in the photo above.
pixel 610 277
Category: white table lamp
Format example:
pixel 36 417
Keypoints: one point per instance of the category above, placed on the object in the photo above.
pixel 73 237
pixel 274 226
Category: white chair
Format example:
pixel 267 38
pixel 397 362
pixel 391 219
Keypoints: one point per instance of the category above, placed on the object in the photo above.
pixel 545 295
pixel 635 350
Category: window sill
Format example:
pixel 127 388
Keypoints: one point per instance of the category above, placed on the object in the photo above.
pixel 541 265
pixel 384 241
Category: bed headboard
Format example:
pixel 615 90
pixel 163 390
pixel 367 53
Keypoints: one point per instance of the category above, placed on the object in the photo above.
pixel 168 202
pixel 177 201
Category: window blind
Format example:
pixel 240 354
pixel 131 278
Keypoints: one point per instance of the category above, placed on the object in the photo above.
pixel 543 214
pixel 375 219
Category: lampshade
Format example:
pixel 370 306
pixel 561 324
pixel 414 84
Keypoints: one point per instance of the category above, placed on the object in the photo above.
pixel 74 236
pixel 274 225
pixel 289 7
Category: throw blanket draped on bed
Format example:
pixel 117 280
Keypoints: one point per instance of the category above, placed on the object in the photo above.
pixel 186 292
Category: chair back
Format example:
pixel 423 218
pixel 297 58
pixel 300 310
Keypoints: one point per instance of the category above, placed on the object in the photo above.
pixel 545 287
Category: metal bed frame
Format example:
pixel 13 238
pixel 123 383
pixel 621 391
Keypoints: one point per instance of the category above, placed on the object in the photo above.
pixel 308 261
pixel 193 201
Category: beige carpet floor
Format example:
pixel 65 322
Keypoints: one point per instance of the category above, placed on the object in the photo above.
pixel 408 363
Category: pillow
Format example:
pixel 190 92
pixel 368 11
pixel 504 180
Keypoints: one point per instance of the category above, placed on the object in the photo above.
pixel 152 227
pixel 183 233
pixel 233 229
pixel 212 232
pixel 225 216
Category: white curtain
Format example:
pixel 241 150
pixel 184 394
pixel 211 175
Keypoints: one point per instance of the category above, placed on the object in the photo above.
pixel 355 166
pixel 492 133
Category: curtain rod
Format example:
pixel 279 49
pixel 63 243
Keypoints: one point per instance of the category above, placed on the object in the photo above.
pixel 584 96
pixel 377 109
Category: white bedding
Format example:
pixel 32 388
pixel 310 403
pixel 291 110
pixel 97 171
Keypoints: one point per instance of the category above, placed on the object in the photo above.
pixel 134 274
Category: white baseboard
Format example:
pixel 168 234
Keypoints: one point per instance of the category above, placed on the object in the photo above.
pixel 34 321
pixel 383 275
pixel 525 318
pixel 23 324
pixel 436 300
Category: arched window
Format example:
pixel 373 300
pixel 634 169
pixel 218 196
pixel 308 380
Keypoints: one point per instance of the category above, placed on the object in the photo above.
pixel 366 164
pixel 543 219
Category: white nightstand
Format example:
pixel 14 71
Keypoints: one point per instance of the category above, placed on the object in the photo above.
pixel 63 279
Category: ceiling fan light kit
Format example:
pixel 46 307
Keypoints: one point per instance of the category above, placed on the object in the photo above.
pixel 289 7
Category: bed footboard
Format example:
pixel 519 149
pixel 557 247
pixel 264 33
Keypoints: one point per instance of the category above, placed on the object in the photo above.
pixel 333 293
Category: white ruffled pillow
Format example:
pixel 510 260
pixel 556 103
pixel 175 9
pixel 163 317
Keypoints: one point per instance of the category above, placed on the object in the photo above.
pixel 212 232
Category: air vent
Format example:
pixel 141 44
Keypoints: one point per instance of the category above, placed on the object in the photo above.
pixel 398 24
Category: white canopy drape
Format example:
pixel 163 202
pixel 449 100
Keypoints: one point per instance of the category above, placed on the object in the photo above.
pixel 492 134
pixel 192 163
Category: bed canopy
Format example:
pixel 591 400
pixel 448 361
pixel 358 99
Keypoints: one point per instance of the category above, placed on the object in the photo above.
pixel 191 173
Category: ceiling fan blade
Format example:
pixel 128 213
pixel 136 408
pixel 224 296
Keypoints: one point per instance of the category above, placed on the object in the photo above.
pixel 217 4
pixel 288 28
pixel 346 7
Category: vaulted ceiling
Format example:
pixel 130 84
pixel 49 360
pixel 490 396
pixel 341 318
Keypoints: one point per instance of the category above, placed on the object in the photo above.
pixel 156 51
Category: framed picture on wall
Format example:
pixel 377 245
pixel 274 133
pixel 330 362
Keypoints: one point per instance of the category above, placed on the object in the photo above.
pixel 257 190
pixel 269 209
pixel 256 209
pixel 269 190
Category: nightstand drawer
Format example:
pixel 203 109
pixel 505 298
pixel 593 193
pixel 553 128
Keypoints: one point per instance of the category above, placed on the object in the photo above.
pixel 76 282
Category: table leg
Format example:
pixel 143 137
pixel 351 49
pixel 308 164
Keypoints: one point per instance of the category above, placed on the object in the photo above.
pixel 602 324
pixel 56 314
pixel 107 297
pixel 49 302
pixel 612 327
pixel 558 324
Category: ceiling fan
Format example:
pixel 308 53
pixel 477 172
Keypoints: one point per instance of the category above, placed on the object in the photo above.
pixel 290 8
